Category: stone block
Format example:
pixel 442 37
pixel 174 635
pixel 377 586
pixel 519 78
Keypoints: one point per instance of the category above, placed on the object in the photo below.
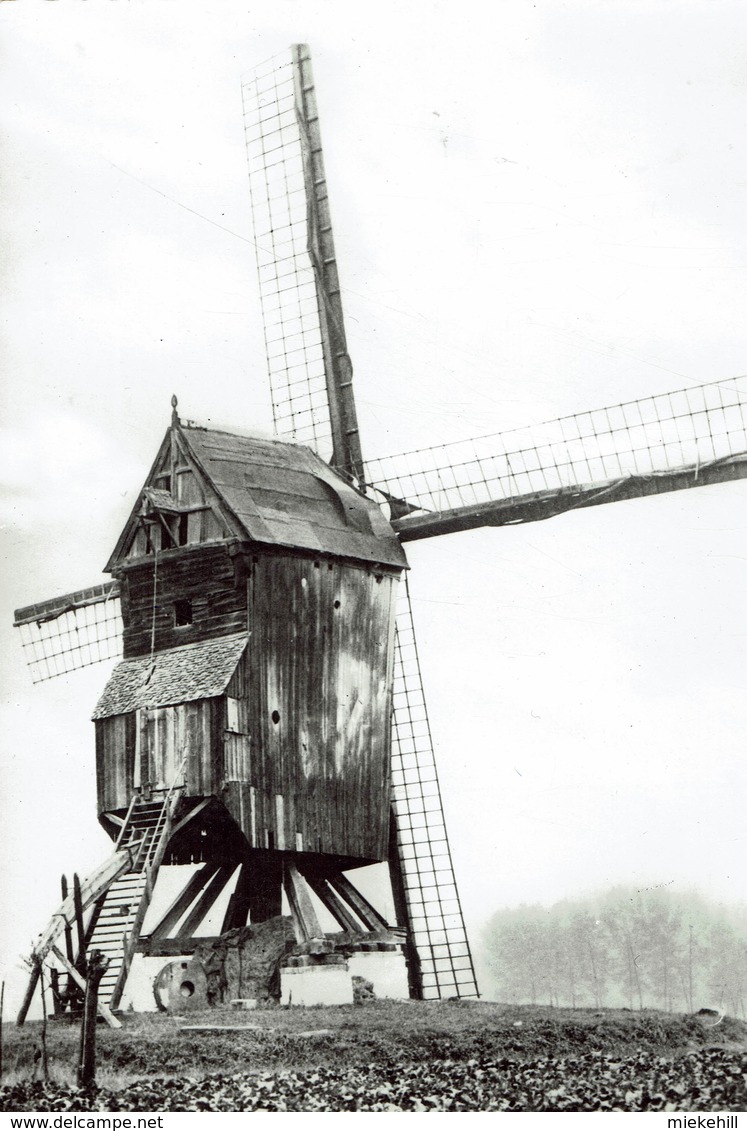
pixel 316 985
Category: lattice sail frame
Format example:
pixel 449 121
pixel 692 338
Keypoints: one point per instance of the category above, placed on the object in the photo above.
pixel 692 428
pixel 287 287
pixel 71 632
pixel 434 911
pixel 308 362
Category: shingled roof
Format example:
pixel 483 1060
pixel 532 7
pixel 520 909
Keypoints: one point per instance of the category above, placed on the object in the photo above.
pixel 272 493
pixel 175 675
pixel 284 494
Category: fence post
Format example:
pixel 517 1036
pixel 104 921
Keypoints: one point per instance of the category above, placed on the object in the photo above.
pixel 97 964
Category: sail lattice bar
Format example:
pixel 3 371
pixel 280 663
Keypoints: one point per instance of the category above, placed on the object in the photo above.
pixel 430 893
pixel 72 631
pixel 668 442
pixel 309 367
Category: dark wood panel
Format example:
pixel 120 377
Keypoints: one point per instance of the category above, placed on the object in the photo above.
pixel 115 761
pixel 204 576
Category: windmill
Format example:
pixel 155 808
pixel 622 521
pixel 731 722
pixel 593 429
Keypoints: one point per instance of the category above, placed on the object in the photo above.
pixel 213 500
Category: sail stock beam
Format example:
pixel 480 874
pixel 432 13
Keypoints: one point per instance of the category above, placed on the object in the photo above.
pixel 549 504
pixel 309 367
pixel 71 632
pixel 669 442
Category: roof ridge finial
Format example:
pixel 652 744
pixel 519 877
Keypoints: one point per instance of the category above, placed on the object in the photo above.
pixel 174 414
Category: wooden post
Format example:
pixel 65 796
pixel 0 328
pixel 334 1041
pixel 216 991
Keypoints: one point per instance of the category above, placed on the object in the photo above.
pixel 112 1021
pixel 96 966
pixel 44 1059
pixel 33 979
pixel 68 942
pixel 54 980
pixel 68 933
pixel 2 1000
pixel 78 904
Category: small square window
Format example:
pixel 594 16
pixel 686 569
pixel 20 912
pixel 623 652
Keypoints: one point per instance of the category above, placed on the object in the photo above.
pixel 182 612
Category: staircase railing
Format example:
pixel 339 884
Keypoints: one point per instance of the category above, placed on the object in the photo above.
pixel 150 864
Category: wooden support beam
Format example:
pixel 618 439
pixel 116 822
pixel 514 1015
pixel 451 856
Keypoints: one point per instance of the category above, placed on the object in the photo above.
pixel 112 1021
pixel 54 981
pixel 305 923
pixel 78 907
pixel 216 885
pixel 28 996
pixel 365 911
pixel 171 948
pixel 190 816
pixel 124 825
pixel 94 917
pixel 183 900
pixel 240 902
pixel 333 903
pixel 91 888
pixel 68 932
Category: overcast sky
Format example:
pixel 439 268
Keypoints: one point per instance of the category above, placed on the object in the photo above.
pixel 538 209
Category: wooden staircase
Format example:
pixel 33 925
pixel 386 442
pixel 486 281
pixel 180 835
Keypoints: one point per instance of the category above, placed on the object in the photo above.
pixel 120 914
pixel 120 892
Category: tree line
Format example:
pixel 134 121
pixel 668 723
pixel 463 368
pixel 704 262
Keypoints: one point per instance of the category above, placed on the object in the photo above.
pixel 640 949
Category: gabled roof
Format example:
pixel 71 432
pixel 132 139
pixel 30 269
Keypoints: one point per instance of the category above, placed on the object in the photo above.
pixel 174 675
pixel 275 493
pixel 286 495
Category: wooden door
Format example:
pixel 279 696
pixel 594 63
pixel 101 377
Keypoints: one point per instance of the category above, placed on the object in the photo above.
pixel 159 758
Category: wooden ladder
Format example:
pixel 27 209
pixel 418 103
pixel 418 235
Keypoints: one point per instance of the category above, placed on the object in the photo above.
pixel 120 914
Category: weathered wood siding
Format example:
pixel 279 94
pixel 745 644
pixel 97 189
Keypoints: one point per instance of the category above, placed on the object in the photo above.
pixel 147 746
pixel 115 761
pixel 307 761
pixel 299 746
pixel 203 575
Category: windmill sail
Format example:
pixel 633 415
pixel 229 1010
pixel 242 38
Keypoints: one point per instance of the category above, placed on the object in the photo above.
pixel 309 366
pixel 431 898
pixel 72 631
pixel 690 438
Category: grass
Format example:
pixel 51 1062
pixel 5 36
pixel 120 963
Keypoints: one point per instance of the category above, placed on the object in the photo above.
pixel 380 1032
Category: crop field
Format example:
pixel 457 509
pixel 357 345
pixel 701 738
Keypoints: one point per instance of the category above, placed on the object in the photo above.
pixel 389 1056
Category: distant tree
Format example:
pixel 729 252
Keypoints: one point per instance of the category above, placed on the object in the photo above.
pixel 588 942
pixel 518 945
pixel 663 939
pixel 623 926
pixel 727 966
pixel 639 947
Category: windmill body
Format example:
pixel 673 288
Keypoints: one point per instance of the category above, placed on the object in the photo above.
pixel 258 598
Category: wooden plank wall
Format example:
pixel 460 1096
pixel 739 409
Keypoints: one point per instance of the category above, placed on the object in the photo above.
pixel 115 761
pixel 157 740
pixel 314 707
pixel 204 575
